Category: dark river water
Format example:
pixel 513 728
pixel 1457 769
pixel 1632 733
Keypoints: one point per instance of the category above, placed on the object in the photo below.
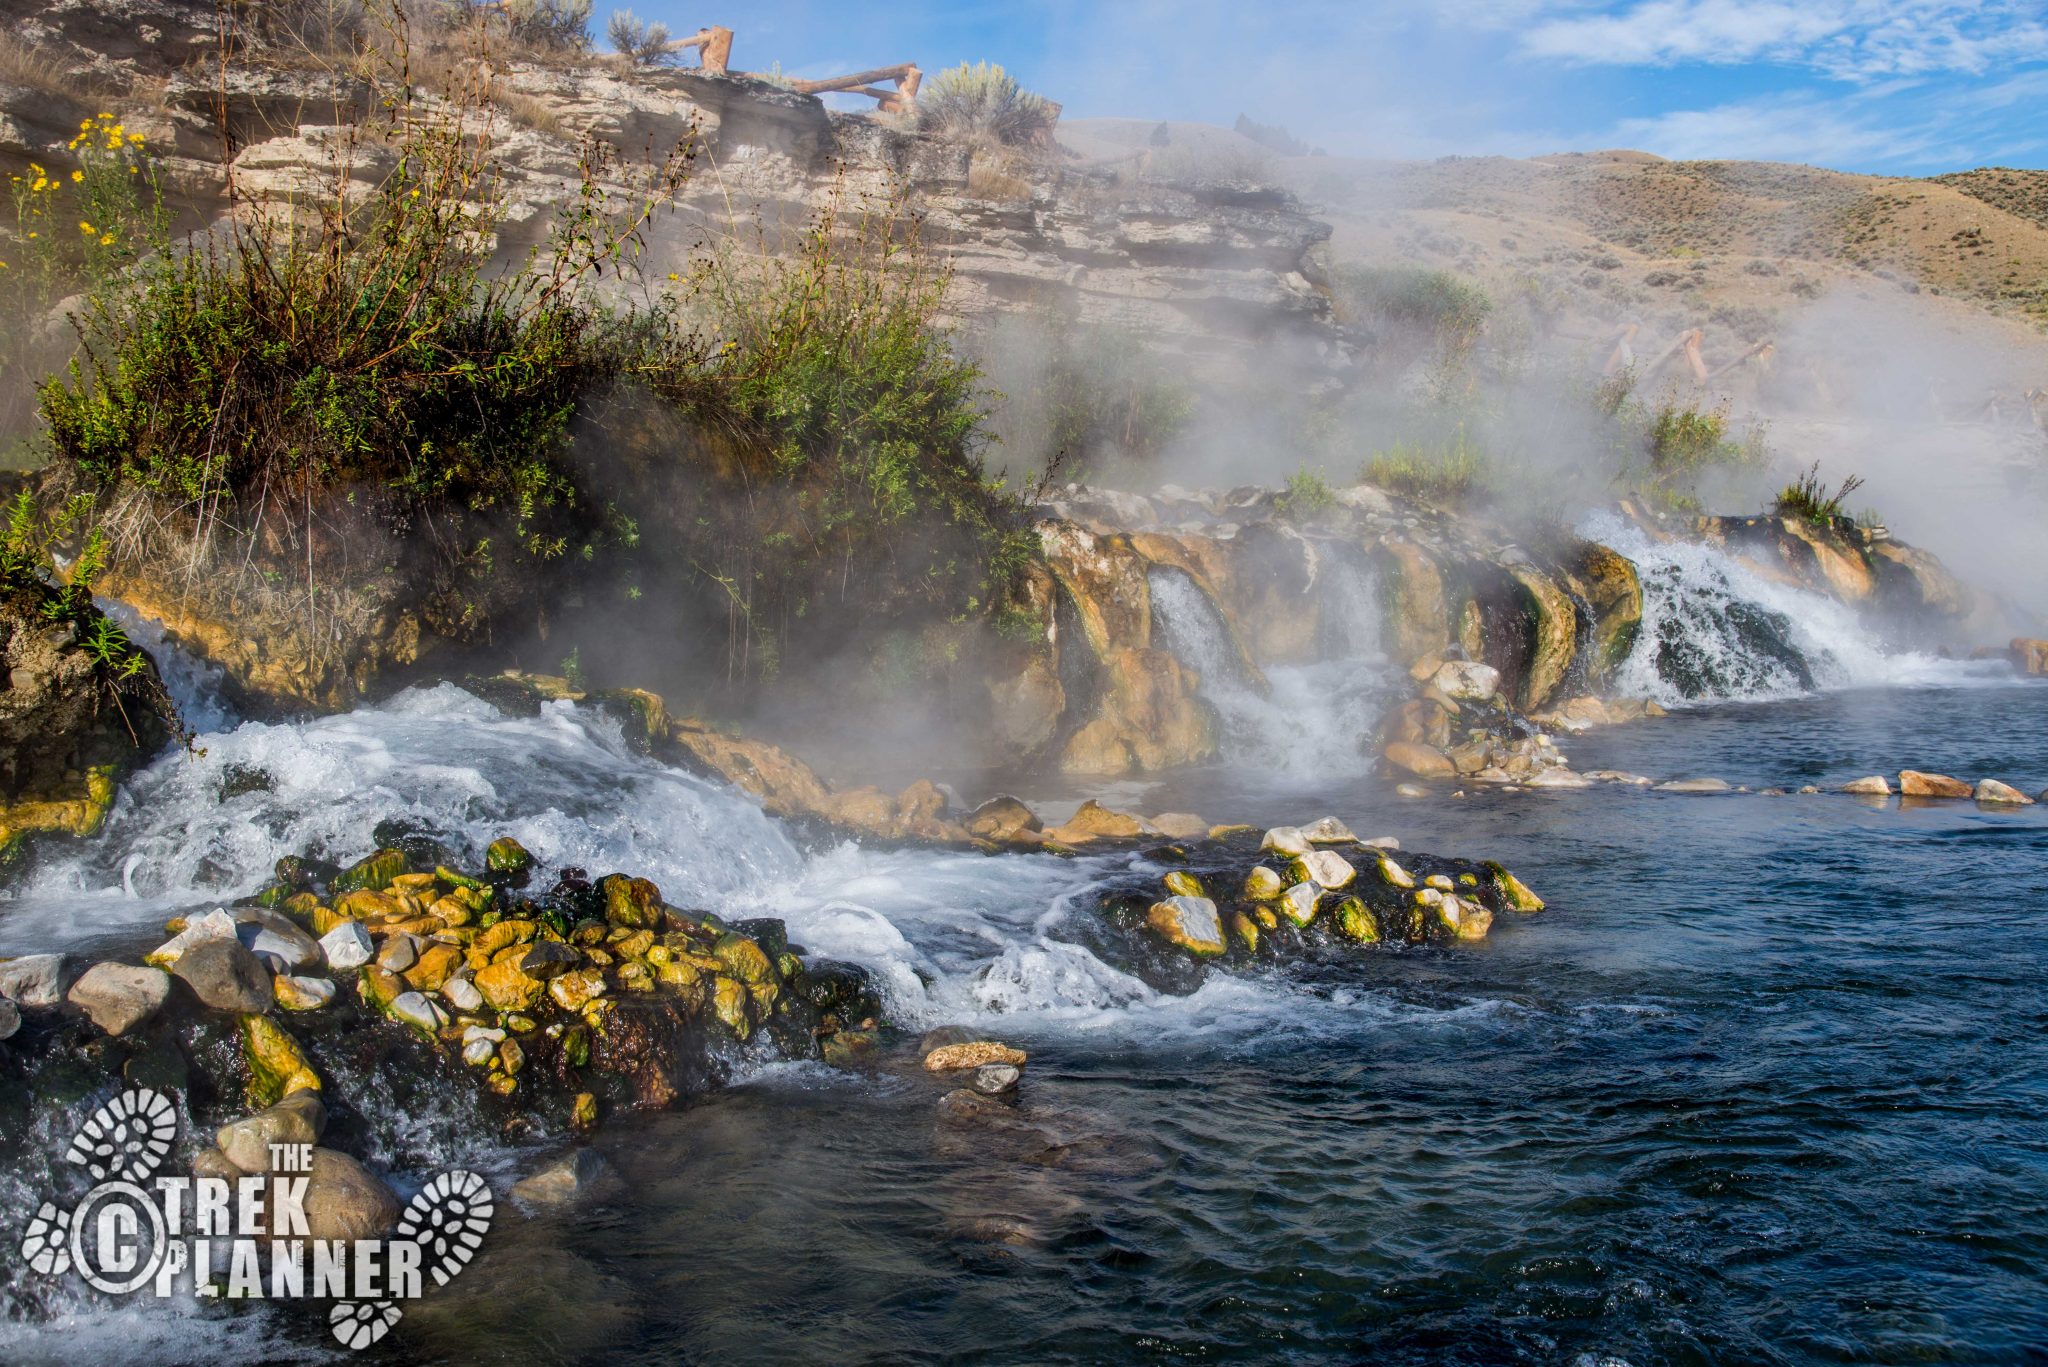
pixel 1766 1083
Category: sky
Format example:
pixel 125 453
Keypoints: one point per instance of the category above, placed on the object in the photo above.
pixel 1905 87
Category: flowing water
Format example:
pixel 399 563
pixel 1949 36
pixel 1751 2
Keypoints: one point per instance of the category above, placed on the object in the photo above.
pixel 1765 1084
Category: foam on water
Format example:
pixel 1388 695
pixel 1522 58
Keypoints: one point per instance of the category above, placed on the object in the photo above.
pixel 1714 629
pixel 1313 719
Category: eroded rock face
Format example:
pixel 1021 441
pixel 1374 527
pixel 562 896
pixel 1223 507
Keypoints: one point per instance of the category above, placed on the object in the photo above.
pixel 68 730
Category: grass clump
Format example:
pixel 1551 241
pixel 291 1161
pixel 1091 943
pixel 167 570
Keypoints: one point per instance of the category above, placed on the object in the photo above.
pixel 983 103
pixel 1447 474
pixel 1808 499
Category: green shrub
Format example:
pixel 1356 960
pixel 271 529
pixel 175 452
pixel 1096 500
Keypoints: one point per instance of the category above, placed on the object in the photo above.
pixel 1091 401
pixel 643 43
pixel 983 102
pixel 1307 494
pixel 1440 307
pixel 373 351
pixel 551 25
pixel 826 371
pixel 1680 444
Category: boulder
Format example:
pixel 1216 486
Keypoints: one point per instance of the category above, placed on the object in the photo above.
pixel 1876 785
pixel 225 976
pixel 1180 825
pixel 120 997
pixel 1001 818
pixel 345 1200
pixel 1096 822
pixel 1287 840
pixel 300 1118
pixel 1991 790
pixel 33 981
pixel 1466 680
pixel 1423 761
pixel 276 940
pixel 1915 783
pixel 2030 655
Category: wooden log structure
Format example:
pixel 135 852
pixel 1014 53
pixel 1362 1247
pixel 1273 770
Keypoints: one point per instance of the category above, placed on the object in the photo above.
pixel 713 44
pixel 900 100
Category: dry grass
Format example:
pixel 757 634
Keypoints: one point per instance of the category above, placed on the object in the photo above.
pixel 24 64
pixel 995 178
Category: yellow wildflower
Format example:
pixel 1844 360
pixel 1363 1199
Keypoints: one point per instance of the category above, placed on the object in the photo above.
pixel 40 183
pixel 107 240
pixel 86 228
pixel 77 177
pixel 33 236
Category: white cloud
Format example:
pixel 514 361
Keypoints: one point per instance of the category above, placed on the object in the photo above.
pixel 1844 39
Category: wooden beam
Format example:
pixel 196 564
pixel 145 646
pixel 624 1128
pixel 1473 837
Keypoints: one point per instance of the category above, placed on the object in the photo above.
pixel 880 73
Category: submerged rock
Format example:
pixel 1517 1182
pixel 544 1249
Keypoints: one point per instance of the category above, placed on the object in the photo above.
pixel 345 1200
pixel 1876 785
pixel 300 1118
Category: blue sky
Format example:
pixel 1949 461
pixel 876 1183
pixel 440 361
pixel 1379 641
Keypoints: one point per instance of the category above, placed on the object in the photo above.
pixel 1898 86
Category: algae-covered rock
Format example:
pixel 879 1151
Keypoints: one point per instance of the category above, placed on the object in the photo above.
pixel 1263 884
pixel 507 987
pixel 371 872
pixel 277 1064
pixel 1512 890
pixel 973 1054
pixel 507 858
pixel 631 902
pixel 1356 922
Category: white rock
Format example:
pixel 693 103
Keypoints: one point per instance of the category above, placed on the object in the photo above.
pixel 1286 840
pixel 1410 790
pixel 1298 903
pixel 1328 831
pixel 1558 778
pixel 478 1053
pixel 1991 790
pixel 1395 874
pixel 347 945
pixel 33 981
pixel 471 1034
pixel 1467 680
pixel 1694 785
pixel 1382 842
pixel 1328 868
pixel 215 925
pixel 296 993
pixel 415 1010
pixel 462 994
pixel 120 997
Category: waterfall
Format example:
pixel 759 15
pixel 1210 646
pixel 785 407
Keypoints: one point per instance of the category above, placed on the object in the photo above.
pixel 1714 629
pixel 1314 719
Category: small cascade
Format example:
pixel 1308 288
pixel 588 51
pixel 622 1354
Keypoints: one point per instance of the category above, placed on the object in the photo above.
pixel 1713 630
pixel 194 684
pixel 1312 720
